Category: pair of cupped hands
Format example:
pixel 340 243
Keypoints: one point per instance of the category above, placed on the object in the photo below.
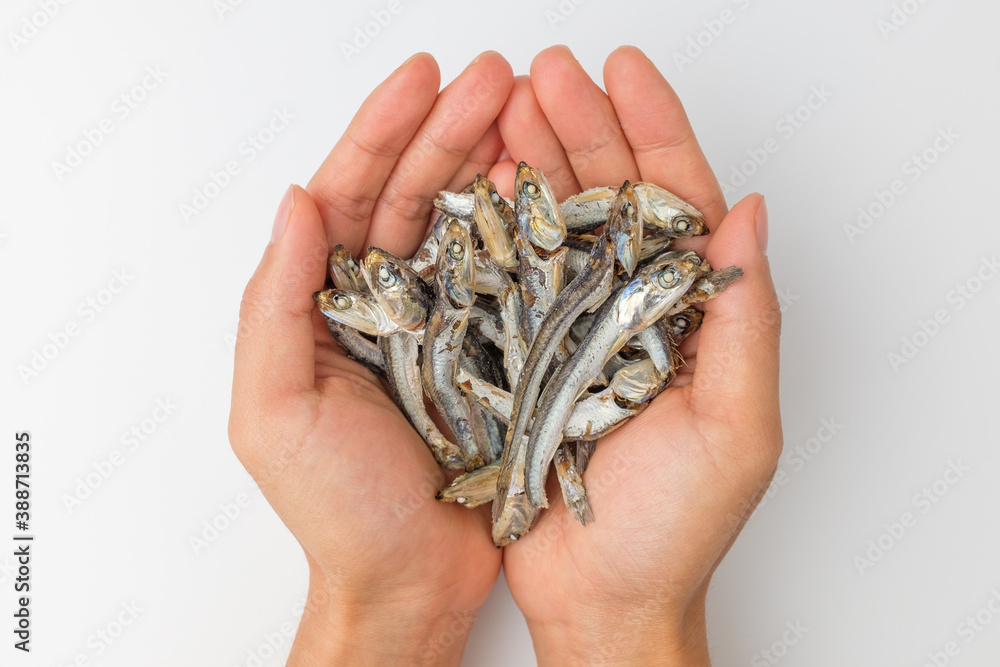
pixel 395 576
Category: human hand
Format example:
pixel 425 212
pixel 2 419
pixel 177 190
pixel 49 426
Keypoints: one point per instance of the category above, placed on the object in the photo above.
pixel 673 487
pixel 394 576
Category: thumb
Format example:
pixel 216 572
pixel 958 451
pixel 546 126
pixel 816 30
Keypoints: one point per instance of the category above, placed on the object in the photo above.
pixel 737 367
pixel 275 342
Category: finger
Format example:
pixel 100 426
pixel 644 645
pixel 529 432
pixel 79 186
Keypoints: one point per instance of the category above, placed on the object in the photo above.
pixel 654 122
pixel 528 136
pixel 275 341
pixel 737 363
pixel 332 359
pixel 481 158
pixel 347 184
pixel 583 118
pixel 463 112
pixel 502 174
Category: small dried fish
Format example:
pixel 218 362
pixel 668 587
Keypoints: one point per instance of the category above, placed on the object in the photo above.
pixel 407 298
pixel 588 326
pixel 355 309
pixel 443 336
pixel 397 288
pixel 401 353
pixel 637 305
pixel 591 286
pixel 584 212
pixel 473 488
pixel 494 218
pixel 535 209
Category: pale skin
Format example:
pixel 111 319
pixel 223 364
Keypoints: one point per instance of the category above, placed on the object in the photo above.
pixel 397 577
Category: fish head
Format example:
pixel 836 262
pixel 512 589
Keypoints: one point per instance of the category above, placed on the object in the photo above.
pixel 345 270
pixel 536 209
pixel 624 227
pixel 494 219
pixel 354 309
pixel 485 190
pixel 398 289
pixel 515 520
pixel 456 267
pixel 655 288
pixel 685 323
pixel 638 382
pixel 666 211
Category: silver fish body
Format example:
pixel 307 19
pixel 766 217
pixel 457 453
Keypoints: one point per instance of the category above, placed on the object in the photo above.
pixel 401 354
pixel 592 417
pixel 487 427
pixel 446 327
pixel 541 280
pixel 590 288
pixel 514 350
pixel 357 346
pixel 634 307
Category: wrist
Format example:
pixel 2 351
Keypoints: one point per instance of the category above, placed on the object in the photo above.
pixel 355 629
pixel 642 634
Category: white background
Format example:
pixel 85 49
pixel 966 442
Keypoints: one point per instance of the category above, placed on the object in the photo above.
pixel 849 303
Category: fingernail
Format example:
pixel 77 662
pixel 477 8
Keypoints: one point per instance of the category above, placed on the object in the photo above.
pixel 633 47
pixel 481 56
pixel 567 50
pixel 281 217
pixel 761 223
pixel 408 60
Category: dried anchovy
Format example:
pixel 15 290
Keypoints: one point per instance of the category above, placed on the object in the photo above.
pixel 534 327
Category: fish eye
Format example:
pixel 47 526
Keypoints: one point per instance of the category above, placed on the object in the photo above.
pixel 682 322
pixel 495 197
pixel 627 209
pixel 352 265
pixel 385 278
pixel 682 224
pixel 456 250
pixel 668 278
pixel 341 302
pixel 530 189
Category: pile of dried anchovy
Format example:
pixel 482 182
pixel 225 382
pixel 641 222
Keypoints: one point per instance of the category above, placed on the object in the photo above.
pixel 530 335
